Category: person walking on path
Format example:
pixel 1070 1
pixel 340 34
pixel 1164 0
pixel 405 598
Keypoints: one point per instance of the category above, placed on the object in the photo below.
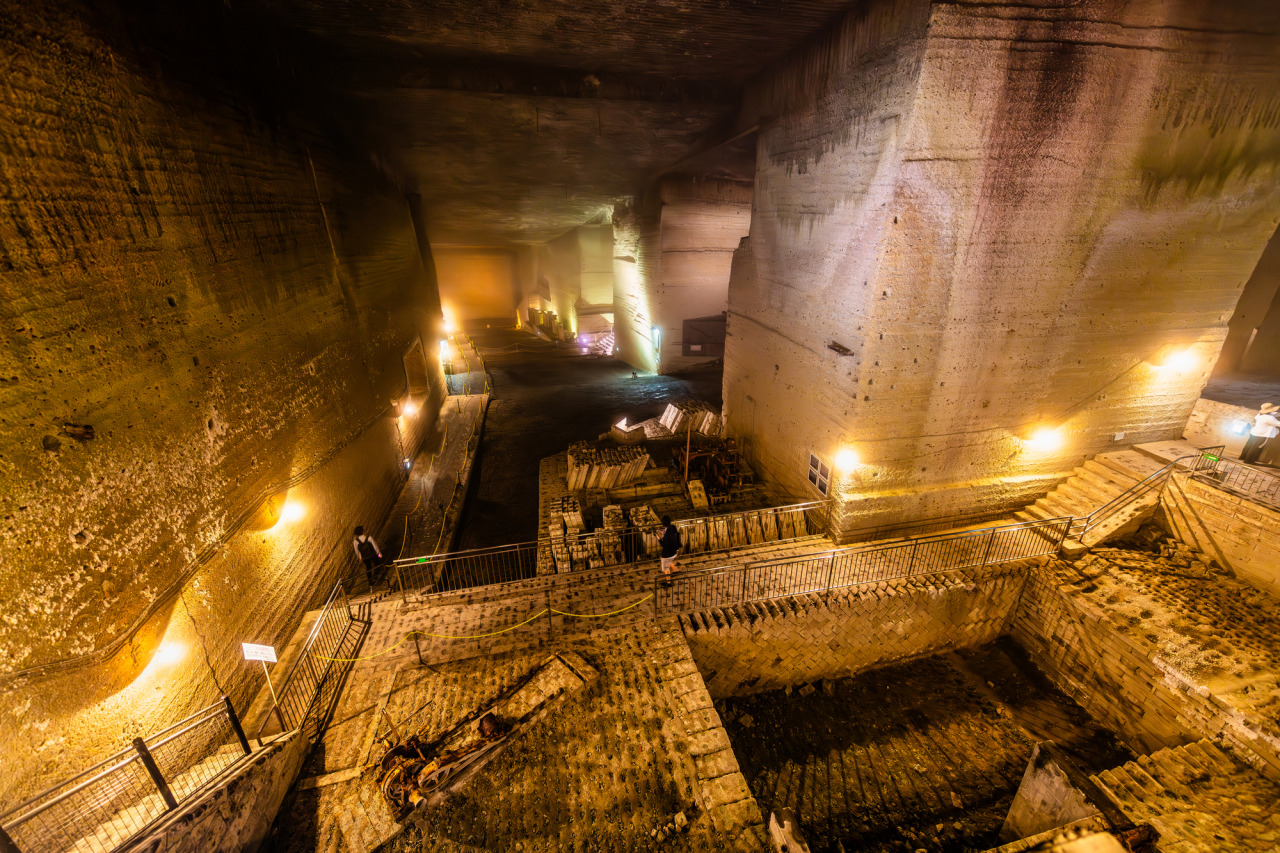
pixel 1265 428
pixel 367 550
pixel 670 542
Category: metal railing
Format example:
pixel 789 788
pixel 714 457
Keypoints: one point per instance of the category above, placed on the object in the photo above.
pixel 1156 481
pixel 104 807
pixel 299 694
pixel 1240 478
pixel 605 548
pixel 855 565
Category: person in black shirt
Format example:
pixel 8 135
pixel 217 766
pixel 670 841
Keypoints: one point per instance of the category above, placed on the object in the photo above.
pixel 670 542
pixel 368 552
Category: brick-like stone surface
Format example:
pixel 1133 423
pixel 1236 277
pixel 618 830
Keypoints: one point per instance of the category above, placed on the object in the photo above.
pixel 1161 653
pixel 906 757
pixel 770 644
pixel 602 771
pixel 1199 799
pixel 1240 534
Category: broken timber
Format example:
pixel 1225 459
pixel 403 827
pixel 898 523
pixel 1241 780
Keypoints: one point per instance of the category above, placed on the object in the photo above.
pixel 415 774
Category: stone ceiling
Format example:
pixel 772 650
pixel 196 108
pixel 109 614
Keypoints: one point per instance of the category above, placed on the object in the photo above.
pixel 516 121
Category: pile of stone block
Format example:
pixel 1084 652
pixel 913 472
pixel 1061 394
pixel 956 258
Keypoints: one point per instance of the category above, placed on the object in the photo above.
pixel 566 513
pixel 685 416
pixel 649 526
pixel 605 468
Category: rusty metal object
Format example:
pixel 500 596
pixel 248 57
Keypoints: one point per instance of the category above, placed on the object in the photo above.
pixel 414 773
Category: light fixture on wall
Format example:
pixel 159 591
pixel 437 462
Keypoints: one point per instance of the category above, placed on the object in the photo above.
pixel 1180 361
pixel 292 511
pixel 1238 427
pixel 408 409
pixel 846 459
pixel 169 653
pixel 655 335
pixel 444 350
pixel 1045 439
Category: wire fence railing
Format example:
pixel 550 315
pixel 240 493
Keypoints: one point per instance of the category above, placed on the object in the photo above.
pixel 1239 478
pixel 102 808
pixel 857 564
pixel 297 700
pixel 607 548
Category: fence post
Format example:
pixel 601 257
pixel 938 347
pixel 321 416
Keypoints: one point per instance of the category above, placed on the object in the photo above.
pixel 831 572
pixel 236 727
pixel 986 555
pixel 911 564
pixel 149 762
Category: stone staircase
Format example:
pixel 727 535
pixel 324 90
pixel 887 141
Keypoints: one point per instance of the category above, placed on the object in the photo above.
pixel 1099 481
pixel 1198 798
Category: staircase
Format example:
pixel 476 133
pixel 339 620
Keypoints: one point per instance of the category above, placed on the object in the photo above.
pixel 607 343
pixel 1198 798
pixel 1095 484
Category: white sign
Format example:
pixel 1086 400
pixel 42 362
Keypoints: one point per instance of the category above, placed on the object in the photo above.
pixel 253 651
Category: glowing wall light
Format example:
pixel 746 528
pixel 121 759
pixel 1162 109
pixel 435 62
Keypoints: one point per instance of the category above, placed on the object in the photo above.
pixel 444 350
pixel 1238 427
pixel 846 459
pixel 1180 361
pixel 169 653
pixel 409 409
pixel 1045 440
pixel 292 511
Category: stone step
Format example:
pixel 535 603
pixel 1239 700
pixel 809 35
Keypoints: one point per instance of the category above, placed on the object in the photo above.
pixel 1119 480
pixel 1059 505
pixel 1167 451
pixel 1088 491
pixel 1130 462
pixel 1102 485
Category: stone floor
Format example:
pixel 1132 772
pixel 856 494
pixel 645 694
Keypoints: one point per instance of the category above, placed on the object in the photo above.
pixel 923 755
pixel 1243 389
pixel 607 769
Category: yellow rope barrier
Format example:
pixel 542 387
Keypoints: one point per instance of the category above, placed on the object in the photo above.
pixel 534 617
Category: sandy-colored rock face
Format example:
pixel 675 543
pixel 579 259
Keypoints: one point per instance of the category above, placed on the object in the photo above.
pixel 973 220
pixel 672 264
pixel 226 303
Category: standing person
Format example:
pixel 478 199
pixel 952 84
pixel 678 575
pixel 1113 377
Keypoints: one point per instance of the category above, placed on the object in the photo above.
pixel 1265 428
pixel 368 551
pixel 670 542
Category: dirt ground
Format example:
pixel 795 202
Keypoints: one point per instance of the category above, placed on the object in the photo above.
pixel 545 396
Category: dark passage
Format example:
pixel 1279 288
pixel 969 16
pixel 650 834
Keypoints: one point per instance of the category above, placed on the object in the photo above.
pixel 926 755
pixel 546 396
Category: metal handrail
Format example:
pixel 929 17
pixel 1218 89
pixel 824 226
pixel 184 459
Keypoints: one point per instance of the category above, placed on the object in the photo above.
pixel 284 694
pixel 527 556
pixel 1050 533
pixel 1241 478
pixel 1082 525
pixel 142 750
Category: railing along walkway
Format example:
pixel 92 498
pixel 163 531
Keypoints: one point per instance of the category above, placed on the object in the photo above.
pixel 606 548
pixel 859 564
pixel 1154 483
pixel 1240 479
pixel 104 807
pixel 108 805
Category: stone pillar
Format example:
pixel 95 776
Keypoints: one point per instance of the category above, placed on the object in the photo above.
pixel 681 240
pixel 970 224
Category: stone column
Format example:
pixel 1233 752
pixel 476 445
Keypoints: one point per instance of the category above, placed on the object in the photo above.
pixel 974 222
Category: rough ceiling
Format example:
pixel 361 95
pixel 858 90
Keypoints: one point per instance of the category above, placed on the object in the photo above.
pixel 517 121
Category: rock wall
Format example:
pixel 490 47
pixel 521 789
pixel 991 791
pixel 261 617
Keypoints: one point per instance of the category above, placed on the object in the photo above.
pixel 1241 535
pixel 686 233
pixel 767 645
pixel 972 220
pixel 1159 656
pixel 209 301
pixel 570 275
pixel 477 283
pixel 1247 326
